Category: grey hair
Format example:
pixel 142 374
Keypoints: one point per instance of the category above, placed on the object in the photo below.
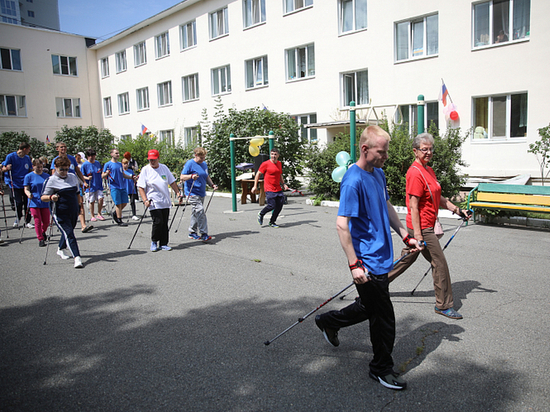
pixel 422 137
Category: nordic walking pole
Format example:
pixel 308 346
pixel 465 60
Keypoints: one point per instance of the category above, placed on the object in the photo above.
pixel 184 206
pixel 24 224
pixel 13 195
pixel 5 218
pixel 51 232
pixel 137 228
pixel 267 342
pixel 464 219
pixel 211 196
pixel 175 213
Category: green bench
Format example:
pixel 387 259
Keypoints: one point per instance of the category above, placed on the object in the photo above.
pixel 497 196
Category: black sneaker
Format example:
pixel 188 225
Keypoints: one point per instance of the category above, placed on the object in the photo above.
pixel 41 243
pixel 121 223
pixel 260 218
pixel 392 381
pixel 331 335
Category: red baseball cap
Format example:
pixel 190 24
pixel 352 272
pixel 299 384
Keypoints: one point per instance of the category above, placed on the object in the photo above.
pixel 153 154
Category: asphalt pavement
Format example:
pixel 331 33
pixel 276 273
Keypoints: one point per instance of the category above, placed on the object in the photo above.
pixel 184 330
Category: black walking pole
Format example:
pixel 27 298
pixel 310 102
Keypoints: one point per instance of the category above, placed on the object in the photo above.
pixel 24 224
pixel 5 218
pixel 51 232
pixel 464 220
pixel 184 206
pixel 211 196
pixel 137 228
pixel 175 213
pixel 13 195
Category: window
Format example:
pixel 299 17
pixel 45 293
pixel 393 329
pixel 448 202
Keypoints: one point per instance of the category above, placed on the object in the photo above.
pixel 254 12
pixel 66 107
pixel 107 108
pixel 123 103
pixel 120 59
pixel 300 62
pixel 406 116
pixel 140 54
pixel 8 7
pixel 219 24
pixel 500 117
pixel 164 93
pixel 162 45
pixel 355 88
pixel 188 35
pixel 30 13
pixel 221 80
pixel 142 98
pixel 64 65
pixel 13 106
pixel 256 72
pixel 190 137
pixel 190 87
pixel 11 59
pixel 494 19
pixel 291 5
pixel 105 67
pixel 307 135
pixel 353 15
pixel 125 137
pixel 167 136
pixel 417 38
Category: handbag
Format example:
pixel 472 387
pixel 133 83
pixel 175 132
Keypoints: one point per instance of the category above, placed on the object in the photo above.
pixel 438 229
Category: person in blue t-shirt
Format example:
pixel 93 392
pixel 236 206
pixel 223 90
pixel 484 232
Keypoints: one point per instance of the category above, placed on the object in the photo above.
pixel 114 173
pixel 91 169
pixel 130 187
pixel 364 219
pixel 195 175
pixel 18 165
pixel 39 210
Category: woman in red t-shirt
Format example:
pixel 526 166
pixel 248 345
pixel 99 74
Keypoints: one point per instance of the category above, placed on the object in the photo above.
pixel 423 201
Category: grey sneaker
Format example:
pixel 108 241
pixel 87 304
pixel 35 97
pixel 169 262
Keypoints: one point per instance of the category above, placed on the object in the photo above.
pixel 392 381
pixel 331 335
pixel 450 313
pixel 260 218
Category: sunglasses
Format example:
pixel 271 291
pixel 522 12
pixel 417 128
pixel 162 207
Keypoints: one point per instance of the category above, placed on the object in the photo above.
pixel 63 169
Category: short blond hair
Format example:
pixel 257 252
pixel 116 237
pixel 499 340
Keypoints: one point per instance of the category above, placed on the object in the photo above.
pixel 124 161
pixel 199 151
pixel 371 133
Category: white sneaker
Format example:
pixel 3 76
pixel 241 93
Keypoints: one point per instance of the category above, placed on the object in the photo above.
pixel 61 254
pixel 29 226
pixel 16 223
pixel 135 217
pixel 78 262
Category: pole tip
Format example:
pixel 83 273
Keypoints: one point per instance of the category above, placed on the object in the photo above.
pixel 267 342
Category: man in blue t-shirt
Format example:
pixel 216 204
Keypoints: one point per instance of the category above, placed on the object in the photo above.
pixel 17 165
pixel 363 224
pixel 115 174
pixel 91 169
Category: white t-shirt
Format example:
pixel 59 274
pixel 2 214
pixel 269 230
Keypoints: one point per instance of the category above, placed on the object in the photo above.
pixel 156 182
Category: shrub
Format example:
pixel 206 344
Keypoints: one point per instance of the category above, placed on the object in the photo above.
pixel 9 142
pixel 79 139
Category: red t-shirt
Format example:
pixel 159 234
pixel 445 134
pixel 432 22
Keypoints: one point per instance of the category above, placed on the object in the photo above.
pixel 417 180
pixel 272 175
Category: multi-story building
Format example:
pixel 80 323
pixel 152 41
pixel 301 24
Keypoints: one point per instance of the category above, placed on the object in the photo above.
pixel 33 13
pixel 310 58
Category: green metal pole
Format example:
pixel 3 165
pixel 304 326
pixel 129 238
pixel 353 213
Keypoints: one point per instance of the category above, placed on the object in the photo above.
pixel 233 184
pixel 271 140
pixel 352 131
pixel 420 114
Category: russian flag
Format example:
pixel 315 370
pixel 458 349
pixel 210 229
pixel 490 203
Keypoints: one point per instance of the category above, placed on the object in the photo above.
pixel 48 139
pixel 444 94
pixel 143 129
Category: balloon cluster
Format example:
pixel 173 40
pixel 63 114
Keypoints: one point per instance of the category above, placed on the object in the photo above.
pixel 450 112
pixel 342 158
pixel 254 148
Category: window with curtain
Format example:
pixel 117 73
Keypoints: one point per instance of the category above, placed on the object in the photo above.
pixel 292 5
pixel 142 98
pixel 140 54
pixel 221 80
pixel 167 136
pixel 306 135
pixel 500 117
pixel 162 45
pixel 355 87
pixel 254 12
pixel 11 59
pixel 500 21
pixel 120 59
pixel 190 85
pixel 13 106
pixel 219 23
pixel 64 65
pixel 353 15
pixel 256 72
pixel 191 137
pixel 164 91
pixel 105 67
pixel 66 107
pixel 123 103
pixel 300 62
pixel 107 108
pixel 406 116
pixel 417 38
pixel 188 35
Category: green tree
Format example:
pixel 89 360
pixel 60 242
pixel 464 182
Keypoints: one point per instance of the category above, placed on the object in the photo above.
pixel 9 142
pixel 79 139
pixel 248 123
pixel 541 149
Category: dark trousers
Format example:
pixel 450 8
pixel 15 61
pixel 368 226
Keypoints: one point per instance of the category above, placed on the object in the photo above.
pixel 21 201
pixel 159 233
pixel 66 224
pixel 275 202
pixel 133 197
pixel 375 305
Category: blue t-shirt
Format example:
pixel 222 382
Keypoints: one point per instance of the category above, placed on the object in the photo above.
pixel 116 180
pixel 199 189
pixel 72 168
pixel 20 167
pixel 363 197
pixel 93 169
pixel 130 186
pixel 35 183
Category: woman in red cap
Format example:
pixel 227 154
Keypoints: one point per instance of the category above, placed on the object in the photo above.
pixel 153 183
